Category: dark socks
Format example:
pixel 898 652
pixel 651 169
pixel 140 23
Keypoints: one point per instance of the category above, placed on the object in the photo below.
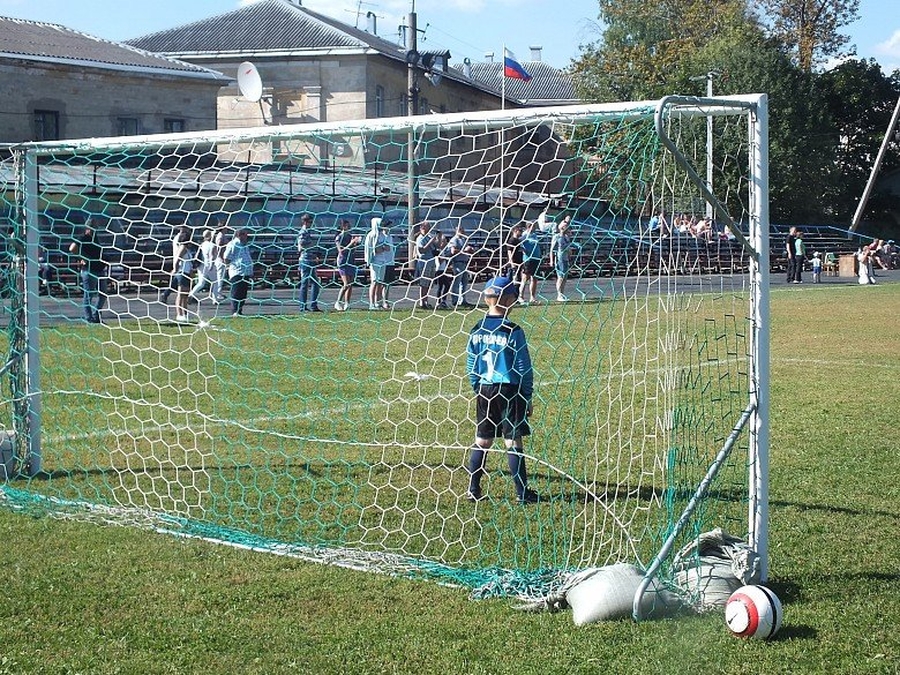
pixel 476 469
pixel 517 470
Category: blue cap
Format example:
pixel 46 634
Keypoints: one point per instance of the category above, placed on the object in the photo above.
pixel 501 286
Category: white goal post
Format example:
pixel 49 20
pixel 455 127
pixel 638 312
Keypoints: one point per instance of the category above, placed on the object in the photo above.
pixel 305 419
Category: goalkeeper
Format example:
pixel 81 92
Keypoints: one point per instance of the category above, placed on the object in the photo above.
pixel 500 372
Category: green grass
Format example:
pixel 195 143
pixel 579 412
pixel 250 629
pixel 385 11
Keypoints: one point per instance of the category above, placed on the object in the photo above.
pixel 308 430
pixel 86 599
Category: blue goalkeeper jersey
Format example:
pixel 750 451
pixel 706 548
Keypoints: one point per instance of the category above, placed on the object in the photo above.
pixel 497 353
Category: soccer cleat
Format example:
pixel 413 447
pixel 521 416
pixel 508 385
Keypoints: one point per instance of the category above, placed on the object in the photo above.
pixel 339 306
pixel 474 495
pixel 529 497
pixel 561 298
pixel 181 318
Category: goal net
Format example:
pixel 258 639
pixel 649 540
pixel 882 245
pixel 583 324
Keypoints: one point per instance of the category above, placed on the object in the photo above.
pixel 343 435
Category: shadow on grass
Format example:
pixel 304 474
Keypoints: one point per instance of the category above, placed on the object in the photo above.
pixel 835 509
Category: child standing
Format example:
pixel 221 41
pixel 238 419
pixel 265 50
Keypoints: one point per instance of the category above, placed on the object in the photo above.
pixel 500 371
pixel 816 267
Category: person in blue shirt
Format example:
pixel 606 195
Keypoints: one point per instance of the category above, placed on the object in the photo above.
pixel 531 261
pixel 240 270
pixel 309 264
pixel 500 372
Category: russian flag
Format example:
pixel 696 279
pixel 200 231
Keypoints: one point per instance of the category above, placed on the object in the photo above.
pixel 512 68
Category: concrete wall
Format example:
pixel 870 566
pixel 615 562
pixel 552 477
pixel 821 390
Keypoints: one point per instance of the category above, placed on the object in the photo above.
pixel 90 100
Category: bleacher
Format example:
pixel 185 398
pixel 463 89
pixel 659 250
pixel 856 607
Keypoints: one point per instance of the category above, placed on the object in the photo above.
pixel 142 257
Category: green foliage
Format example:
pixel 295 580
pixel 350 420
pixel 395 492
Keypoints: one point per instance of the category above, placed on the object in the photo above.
pixel 860 99
pixel 825 128
pixel 80 598
pixel 811 28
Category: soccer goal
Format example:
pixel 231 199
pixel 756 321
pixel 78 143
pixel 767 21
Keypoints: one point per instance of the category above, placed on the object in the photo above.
pixel 342 435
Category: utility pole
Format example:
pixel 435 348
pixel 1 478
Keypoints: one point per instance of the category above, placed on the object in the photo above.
pixel 412 108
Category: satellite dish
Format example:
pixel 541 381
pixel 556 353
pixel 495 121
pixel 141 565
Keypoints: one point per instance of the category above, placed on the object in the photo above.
pixel 249 81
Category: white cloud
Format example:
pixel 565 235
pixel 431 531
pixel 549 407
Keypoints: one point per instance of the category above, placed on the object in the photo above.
pixel 888 53
pixel 891 46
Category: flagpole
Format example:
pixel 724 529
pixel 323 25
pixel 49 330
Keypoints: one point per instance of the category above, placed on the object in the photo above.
pixel 502 153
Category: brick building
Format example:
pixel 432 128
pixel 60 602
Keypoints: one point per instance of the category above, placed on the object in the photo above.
pixel 58 83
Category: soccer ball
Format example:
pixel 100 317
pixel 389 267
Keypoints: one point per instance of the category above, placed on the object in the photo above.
pixel 753 612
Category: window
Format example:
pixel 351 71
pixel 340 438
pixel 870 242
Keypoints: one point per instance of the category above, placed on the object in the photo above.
pixel 379 101
pixel 126 126
pixel 403 105
pixel 424 108
pixel 174 126
pixel 46 125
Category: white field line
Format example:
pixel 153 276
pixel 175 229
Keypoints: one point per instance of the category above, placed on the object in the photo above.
pixel 323 413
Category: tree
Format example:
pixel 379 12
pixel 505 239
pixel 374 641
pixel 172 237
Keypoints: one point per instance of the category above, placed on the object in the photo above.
pixel 860 101
pixel 645 42
pixel 810 28
pixel 649 51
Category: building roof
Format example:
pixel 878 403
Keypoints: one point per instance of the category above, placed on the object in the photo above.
pixel 548 85
pixel 282 28
pixel 266 27
pixel 52 43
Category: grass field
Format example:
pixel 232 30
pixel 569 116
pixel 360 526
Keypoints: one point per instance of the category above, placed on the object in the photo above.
pixel 86 599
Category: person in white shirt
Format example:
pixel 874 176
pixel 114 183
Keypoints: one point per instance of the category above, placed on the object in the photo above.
pixel 378 252
pixel 207 275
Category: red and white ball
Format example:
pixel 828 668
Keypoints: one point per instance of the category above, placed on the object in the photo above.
pixel 753 612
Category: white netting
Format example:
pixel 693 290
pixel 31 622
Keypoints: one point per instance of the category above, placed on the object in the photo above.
pixel 349 429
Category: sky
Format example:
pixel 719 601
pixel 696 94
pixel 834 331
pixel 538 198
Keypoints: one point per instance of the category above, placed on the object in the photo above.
pixel 468 28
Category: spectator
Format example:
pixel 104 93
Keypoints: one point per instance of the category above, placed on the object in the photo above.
pixel 426 262
pixel 207 275
pixel 182 266
pixel 799 256
pixel 658 225
pixel 45 272
pixel 220 239
pixel 816 267
pixel 890 250
pixel 500 371
pixel 531 262
pixel 790 251
pixel 864 258
pixel 512 253
pixel 880 256
pixel 560 251
pixel 378 251
pixel 93 272
pixel 444 274
pixel 346 244
pixel 309 265
pixel 461 254
pixel 240 270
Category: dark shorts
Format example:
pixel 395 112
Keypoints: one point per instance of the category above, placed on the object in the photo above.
pixel 348 272
pixel 182 282
pixel 530 267
pixel 501 411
